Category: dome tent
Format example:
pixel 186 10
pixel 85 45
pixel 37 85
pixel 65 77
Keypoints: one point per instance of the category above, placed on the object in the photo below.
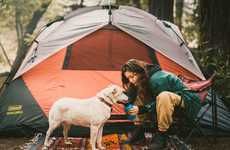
pixel 83 53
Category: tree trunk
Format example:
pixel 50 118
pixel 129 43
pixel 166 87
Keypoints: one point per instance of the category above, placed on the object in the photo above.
pixel 136 3
pixel 215 23
pixel 81 3
pixel 163 9
pixel 179 13
pixel 214 42
pixel 5 55
pixel 36 17
pixel 18 25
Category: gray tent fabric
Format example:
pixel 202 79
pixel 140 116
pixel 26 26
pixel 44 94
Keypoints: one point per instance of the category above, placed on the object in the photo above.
pixel 223 117
pixel 82 22
pixel 67 32
pixel 171 31
pixel 145 28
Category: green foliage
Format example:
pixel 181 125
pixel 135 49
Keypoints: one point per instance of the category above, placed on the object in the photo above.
pixel 214 50
pixel 123 2
pixel 210 54
pixel 25 10
pixel 145 5
pixel 190 30
pixel 6 10
pixel 214 60
pixel 25 7
pixel 29 38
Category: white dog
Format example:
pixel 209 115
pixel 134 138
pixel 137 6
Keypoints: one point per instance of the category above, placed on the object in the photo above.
pixel 92 113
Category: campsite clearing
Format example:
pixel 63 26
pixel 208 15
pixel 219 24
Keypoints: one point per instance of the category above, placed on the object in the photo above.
pixel 196 143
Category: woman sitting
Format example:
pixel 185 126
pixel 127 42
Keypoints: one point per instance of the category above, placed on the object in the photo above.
pixel 160 92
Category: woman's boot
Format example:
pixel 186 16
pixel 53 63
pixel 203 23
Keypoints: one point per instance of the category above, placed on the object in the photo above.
pixel 159 141
pixel 137 136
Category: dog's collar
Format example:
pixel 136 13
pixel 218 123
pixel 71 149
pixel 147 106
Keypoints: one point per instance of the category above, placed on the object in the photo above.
pixel 105 102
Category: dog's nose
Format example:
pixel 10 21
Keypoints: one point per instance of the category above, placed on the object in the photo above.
pixel 124 92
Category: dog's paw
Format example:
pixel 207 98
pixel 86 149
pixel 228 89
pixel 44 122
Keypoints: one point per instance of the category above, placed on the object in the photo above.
pixel 102 148
pixel 44 147
pixel 68 142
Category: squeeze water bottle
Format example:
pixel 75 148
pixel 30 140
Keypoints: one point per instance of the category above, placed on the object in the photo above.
pixel 127 108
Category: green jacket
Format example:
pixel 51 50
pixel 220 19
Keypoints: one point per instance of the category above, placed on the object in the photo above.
pixel 160 81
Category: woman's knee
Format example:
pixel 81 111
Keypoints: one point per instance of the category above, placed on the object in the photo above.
pixel 163 96
pixel 169 98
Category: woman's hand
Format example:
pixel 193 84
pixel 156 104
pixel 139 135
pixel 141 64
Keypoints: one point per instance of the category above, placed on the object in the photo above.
pixel 134 110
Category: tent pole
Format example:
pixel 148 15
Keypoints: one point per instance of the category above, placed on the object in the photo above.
pixel 169 26
pixel 214 113
pixel 110 12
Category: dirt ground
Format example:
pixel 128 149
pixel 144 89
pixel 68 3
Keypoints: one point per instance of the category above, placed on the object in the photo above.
pixel 12 143
pixel 196 143
pixel 220 143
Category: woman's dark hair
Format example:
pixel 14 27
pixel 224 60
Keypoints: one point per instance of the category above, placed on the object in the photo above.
pixel 137 67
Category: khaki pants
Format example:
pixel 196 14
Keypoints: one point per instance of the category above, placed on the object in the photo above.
pixel 165 104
